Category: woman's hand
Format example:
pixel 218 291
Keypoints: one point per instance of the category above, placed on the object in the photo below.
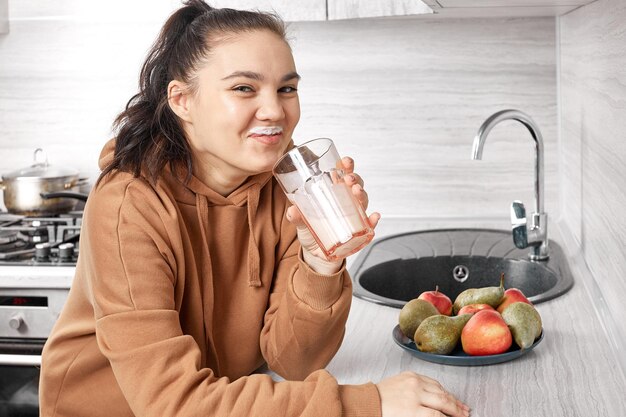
pixel 412 395
pixel 313 255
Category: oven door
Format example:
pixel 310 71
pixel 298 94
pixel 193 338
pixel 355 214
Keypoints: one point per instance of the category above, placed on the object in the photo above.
pixel 27 316
pixel 20 360
pixel 19 389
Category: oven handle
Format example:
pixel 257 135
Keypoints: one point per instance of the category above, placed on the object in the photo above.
pixel 20 360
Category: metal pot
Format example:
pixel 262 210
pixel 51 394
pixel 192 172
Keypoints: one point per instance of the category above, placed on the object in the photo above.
pixel 23 188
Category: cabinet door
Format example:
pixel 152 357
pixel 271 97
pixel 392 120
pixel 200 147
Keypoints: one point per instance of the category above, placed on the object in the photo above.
pixel 4 16
pixel 289 10
pixel 353 9
pixel 503 8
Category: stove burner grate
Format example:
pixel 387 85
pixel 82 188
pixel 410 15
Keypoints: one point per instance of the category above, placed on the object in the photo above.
pixel 7 237
pixel 21 235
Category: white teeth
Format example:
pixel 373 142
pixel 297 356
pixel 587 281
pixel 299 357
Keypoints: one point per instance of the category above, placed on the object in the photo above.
pixel 265 130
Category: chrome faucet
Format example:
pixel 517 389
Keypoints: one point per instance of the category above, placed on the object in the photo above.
pixel 534 235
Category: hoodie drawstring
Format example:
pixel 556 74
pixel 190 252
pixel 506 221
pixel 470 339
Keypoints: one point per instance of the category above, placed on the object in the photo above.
pixel 254 259
pixel 202 206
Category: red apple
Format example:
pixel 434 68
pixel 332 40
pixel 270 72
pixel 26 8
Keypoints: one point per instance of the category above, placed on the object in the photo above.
pixel 512 295
pixel 486 333
pixel 474 308
pixel 441 301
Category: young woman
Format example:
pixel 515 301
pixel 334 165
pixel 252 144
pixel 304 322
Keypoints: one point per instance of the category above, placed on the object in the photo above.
pixel 194 270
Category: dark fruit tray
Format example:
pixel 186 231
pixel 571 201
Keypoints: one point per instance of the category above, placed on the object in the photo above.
pixel 457 356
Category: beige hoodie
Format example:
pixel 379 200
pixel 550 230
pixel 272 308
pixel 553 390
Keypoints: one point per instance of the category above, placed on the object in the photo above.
pixel 180 294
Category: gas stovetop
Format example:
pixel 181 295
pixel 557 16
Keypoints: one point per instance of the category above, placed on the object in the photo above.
pixel 39 241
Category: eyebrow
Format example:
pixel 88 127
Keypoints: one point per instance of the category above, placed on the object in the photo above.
pixel 256 76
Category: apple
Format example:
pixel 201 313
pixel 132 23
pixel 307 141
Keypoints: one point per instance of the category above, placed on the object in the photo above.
pixel 486 333
pixel 441 301
pixel 512 295
pixel 474 308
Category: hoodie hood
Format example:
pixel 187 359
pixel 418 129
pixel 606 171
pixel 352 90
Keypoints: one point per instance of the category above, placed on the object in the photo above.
pixel 186 192
pixel 195 192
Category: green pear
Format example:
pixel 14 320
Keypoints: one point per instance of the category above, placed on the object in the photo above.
pixel 486 295
pixel 412 315
pixel 525 323
pixel 440 334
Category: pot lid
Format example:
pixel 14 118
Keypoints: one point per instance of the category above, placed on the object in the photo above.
pixel 40 170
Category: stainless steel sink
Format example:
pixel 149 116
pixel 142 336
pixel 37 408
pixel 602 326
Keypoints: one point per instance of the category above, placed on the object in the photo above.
pixel 395 269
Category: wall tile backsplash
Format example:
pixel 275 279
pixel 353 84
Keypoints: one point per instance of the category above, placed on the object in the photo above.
pixel 593 149
pixel 404 97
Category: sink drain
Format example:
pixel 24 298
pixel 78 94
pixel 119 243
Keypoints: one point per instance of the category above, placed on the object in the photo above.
pixel 460 273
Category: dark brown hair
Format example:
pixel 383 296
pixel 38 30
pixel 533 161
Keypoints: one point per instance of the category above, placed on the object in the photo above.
pixel 149 135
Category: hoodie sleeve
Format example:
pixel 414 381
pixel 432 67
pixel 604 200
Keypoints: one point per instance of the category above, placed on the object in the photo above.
pixel 305 321
pixel 305 324
pixel 156 365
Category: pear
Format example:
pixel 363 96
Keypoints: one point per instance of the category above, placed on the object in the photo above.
pixel 486 295
pixel 440 334
pixel 524 321
pixel 412 315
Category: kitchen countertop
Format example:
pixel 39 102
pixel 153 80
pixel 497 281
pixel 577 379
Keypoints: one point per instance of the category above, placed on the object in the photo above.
pixel 13 276
pixel 574 371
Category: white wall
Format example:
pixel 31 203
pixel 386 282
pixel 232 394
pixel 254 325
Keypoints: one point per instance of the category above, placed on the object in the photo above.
pixel 404 97
pixel 593 144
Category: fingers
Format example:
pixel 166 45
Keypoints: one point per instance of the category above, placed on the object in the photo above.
pixel 352 179
pixel 363 198
pixel 373 219
pixel 355 182
pixel 361 195
pixel 445 403
pixel 295 217
pixel 431 384
pixel 426 383
pixel 410 394
pixel 347 164
pixel 435 397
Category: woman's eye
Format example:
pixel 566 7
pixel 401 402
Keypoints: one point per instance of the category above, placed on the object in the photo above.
pixel 288 89
pixel 243 89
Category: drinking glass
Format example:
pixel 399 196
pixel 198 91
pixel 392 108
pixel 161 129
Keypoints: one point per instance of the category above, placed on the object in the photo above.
pixel 312 177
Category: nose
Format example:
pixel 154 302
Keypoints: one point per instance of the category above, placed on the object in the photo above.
pixel 270 108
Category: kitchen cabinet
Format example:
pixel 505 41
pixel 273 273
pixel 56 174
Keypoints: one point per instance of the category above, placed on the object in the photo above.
pixel 302 10
pixel 4 16
pixel 503 8
pixel 353 9
pixel 320 10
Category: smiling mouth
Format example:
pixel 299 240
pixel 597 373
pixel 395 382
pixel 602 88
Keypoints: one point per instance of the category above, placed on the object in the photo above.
pixel 267 139
pixel 257 135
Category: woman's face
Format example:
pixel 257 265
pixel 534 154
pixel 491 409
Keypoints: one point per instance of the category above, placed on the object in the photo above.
pixel 246 107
